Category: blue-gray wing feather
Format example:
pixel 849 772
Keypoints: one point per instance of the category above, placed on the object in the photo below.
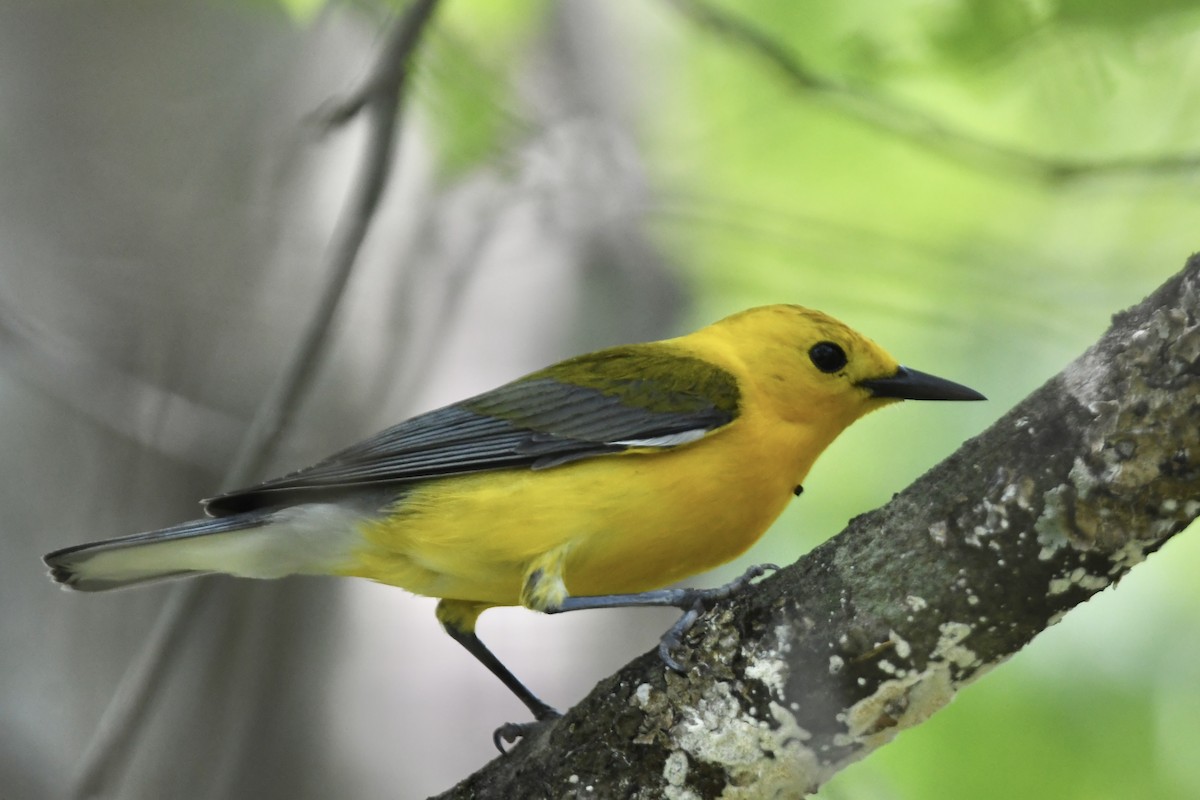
pixel 535 423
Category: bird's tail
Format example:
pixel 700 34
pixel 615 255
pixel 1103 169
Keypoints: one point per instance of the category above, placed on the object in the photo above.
pixel 191 548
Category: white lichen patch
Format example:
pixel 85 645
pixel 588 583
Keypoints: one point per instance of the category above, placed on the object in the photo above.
pixel 836 664
pixel 908 699
pixel 1129 555
pixel 1078 577
pixel 767 662
pixel 973 538
pixel 916 603
pixel 1086 481
pixel 903 648
pixel 784 636
pixel 675 772
pixel 949 646
pixel 771 670
pixel 995 517
pixel 762 759
pixel 1020 492
pixel 994 513
pixel 716 730
pixel 897 704
pixel 1051 525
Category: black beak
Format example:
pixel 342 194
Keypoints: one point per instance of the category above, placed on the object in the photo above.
pixel 908 384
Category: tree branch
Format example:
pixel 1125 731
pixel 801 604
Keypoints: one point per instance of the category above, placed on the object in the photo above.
pixel 878 628
pixel 381 95
pixel 908 122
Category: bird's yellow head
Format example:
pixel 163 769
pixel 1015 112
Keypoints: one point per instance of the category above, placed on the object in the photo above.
pixel 811 368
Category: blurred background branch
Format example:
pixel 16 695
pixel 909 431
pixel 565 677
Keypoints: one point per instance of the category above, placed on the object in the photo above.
pixel 380 97
pixel 907 122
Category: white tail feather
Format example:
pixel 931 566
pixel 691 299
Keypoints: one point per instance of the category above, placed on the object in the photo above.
pixel 314 538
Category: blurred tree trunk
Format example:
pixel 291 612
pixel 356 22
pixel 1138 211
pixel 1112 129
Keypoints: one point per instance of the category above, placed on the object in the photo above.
pixel 166 208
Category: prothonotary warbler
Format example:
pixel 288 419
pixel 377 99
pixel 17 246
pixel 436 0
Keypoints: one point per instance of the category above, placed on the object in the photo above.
pixel 589 484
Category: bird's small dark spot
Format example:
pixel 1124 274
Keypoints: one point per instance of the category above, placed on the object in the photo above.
pixel 799 490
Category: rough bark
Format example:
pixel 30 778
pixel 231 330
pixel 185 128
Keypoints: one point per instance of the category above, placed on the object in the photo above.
pixel 879 627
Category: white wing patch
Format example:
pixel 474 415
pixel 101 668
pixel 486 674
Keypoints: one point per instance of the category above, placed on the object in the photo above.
pixel 670 440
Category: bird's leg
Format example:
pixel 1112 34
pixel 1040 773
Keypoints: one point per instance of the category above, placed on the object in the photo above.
pixel 458 620
pixel 694 603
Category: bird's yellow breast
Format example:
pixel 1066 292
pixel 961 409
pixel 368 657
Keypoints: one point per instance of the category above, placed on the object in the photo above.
pixel 640 519
pixel 623 523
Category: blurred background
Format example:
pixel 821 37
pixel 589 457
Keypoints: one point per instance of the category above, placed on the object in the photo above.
pixel 976 184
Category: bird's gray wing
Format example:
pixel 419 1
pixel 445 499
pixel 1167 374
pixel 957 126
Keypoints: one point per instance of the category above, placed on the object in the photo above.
pixel 638 396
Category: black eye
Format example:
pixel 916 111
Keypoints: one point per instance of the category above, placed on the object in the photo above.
pixel 827 356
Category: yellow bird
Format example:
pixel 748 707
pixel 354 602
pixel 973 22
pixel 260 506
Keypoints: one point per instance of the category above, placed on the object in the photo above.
pixel 588 484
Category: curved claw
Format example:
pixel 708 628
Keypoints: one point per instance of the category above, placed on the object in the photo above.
pixel 702 600
pixel 510 732
pixel 674 636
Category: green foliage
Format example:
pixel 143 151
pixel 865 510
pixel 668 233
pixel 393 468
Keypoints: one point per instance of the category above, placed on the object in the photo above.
pixel 975 262
pixel 470 69
pixel 1061 720
pixel 302 10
